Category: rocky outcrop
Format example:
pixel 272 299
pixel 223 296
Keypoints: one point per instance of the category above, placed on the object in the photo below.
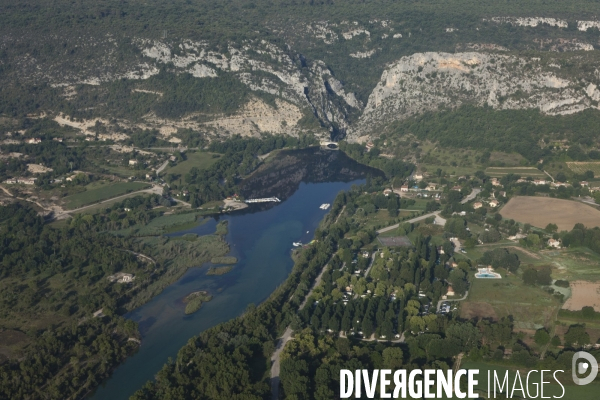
pixel 532 21
pixel 430 81
pixel 585 25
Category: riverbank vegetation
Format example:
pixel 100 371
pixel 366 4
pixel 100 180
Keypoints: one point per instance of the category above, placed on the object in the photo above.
pixel 219 270
pixel 376 307
pixel 195 300
pixel 224 260
pixel 239 157
pixel 64 286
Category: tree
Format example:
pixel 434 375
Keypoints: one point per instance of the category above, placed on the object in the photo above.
pixel 555 341
pixel 530 276
pixel 392 358
pixel 550 228
pixel 577 336
pixel 543 276
pixel 588 312
pixel 541 337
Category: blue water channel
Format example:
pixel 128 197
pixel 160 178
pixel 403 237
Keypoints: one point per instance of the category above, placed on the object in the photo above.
pixel 262 242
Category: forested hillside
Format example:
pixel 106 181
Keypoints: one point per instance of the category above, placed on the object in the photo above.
pixel 285 67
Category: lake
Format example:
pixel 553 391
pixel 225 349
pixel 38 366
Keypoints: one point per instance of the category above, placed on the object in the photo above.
pixel 260 237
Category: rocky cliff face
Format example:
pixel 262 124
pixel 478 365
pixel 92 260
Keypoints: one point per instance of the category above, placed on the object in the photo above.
pixel 306 88
pixel 432 81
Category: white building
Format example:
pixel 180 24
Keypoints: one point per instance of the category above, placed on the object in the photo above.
pixel 554 243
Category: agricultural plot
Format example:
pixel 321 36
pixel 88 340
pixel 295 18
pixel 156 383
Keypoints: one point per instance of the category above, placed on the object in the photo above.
pixel 583 294
pixel 579 167
pixel 96 192
pixel 540 211
pixel 497 172
pixel 200 160
pixel 531 307
pixel 392 241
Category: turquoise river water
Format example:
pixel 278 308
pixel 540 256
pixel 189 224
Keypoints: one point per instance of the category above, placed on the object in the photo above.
pixel 261 238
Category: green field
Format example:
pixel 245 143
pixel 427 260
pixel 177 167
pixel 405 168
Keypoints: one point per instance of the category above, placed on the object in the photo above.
pixel 453 161
pixel 521 171
pixel 164 224
pixel 381 219
pixel 572 392
pixel 506 159
pixel 200 160
pixel 531 307
pixel 573 264
pixel 98 191
pixel 581 167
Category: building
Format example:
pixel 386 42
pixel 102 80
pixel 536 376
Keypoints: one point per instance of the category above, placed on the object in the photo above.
pixel 418 177
pixel 25 181
pixel 432 186
pixel 496 182
pixel 554 243
pixel 133 162
pixel 539 182
pixel 494 203
pixel 387 192
pixel 450 291
pixel 477 205
pixel 404 188
pixel 34 141
pixel 457 188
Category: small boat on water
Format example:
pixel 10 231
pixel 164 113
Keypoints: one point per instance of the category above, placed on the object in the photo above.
pixel 325 206
pixel 297 244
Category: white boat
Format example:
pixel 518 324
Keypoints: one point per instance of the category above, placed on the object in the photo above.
pixel 325 206
pixel 296 244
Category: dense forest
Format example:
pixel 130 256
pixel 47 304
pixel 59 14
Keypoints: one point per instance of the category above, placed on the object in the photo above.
pixel 61 32
pixel 519 131
pixel 53 280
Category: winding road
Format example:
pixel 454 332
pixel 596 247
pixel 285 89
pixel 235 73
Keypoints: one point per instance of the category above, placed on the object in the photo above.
pixel 453 300
pixel 438 220
pixel 471 196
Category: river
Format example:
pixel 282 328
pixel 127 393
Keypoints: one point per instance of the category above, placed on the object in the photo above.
pixel 261 238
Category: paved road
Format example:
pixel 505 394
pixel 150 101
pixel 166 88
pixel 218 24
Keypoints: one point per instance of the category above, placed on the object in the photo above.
pixel 471 196
pixel 286 337
pixel 155 189
pixel 453 300
pixel 162 167
pixel 371 263
pixel 275 366
pixel 438 220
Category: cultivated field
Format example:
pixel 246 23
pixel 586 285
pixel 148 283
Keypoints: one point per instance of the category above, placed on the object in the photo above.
pixel 531 307
pixel 580 167
pixel 583 294
pixel 200 160
pixel 97 192
pixel 540 211
pixel 521 171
